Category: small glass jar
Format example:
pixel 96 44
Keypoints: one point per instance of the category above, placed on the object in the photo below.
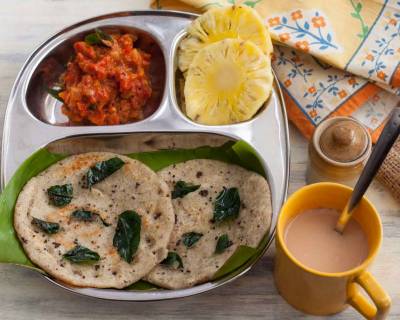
pixel 338 151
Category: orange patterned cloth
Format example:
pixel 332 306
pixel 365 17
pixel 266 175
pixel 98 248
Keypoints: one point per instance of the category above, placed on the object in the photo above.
pixel 331 58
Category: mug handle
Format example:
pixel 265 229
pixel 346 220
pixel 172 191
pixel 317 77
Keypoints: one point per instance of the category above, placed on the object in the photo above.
pixel 380 298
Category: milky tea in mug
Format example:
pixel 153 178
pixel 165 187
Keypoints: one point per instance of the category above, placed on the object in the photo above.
pixel 312 239
pixel 320 271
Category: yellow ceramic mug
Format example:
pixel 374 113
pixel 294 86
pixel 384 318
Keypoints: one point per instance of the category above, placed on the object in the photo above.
pixel 322 293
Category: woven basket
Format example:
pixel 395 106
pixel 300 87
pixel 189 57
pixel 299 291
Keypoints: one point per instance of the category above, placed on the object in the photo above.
pixel 389 174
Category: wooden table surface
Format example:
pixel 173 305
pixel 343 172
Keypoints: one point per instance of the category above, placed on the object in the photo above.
pixel 24 24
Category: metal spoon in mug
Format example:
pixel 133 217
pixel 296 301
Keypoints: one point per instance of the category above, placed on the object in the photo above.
pixel 386 140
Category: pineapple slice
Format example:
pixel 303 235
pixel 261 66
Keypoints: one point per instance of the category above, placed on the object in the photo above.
pixel 217 24
pixel 227 82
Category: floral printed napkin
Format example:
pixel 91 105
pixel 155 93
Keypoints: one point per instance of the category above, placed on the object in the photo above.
pixel 331 58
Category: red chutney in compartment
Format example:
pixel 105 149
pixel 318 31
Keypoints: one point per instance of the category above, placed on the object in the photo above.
pixel 106 85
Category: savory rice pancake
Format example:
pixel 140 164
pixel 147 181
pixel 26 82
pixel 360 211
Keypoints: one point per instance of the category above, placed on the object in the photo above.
pixel 95 220
pixel 218 207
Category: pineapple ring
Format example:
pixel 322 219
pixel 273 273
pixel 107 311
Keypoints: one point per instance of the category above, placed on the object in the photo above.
pixel 217 24
pixel 227 82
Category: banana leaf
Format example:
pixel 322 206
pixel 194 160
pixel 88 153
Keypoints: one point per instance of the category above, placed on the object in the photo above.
pixel 10 249
pixel 239 153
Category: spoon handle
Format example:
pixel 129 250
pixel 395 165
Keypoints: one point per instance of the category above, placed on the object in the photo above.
pixel 388 137
pixel 386 140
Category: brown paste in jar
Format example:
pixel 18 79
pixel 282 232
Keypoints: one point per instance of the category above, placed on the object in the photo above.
pixel 343 141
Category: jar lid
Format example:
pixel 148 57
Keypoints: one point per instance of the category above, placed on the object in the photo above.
pixel 344 141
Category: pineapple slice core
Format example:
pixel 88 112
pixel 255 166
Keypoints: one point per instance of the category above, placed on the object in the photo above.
pixel 226 77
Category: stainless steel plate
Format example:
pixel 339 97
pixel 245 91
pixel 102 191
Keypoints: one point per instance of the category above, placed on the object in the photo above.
pixel 33 121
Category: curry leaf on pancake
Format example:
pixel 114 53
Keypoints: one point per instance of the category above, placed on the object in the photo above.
pixel 223 243
pixel 182 188
pixel 189 239
pixel 81 254
pixel 227 205
pixel 127 235
pixel 98 37
pixel 45 226
pixel 87 216
pixel 83 215
pixel 173 260
pixel 55 93
pixel 60 195
pixel 102 170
